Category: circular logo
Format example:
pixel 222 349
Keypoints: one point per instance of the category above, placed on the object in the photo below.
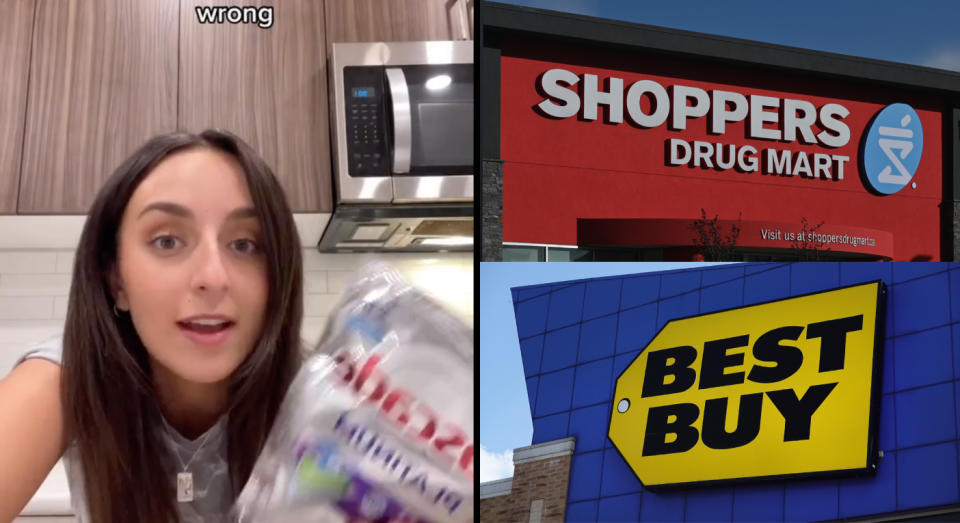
pixel 892 148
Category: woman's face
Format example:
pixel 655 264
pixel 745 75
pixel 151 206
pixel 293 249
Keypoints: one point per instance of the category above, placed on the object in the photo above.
pixel 191 272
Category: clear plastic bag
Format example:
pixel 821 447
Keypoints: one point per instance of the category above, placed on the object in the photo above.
pixel 378 425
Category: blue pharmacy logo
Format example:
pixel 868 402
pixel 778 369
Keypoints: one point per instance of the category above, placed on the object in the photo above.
pixel 892 149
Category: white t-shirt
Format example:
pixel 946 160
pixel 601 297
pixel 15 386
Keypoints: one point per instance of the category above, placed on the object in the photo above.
pixel 213 496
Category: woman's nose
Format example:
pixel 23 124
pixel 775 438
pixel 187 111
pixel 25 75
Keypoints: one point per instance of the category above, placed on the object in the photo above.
pixel 211 273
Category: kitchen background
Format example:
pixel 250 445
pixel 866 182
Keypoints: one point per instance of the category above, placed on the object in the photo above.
pixel 85 82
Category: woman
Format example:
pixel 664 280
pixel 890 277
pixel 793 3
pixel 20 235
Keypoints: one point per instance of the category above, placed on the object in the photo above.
pixel 171 362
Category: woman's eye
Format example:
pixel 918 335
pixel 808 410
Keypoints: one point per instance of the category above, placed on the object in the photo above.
pixel 245 246
pixel 165 242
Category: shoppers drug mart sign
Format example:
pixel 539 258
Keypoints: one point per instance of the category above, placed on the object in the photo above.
pixel 648 104
pixel 783 388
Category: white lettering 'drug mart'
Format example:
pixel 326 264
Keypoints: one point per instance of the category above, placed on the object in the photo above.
pixel 647 104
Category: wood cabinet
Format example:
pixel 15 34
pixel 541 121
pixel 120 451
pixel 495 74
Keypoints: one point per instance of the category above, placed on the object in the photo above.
pixel 102 81
pixel 268 86
pixel 398 20
pixel 86 82
pixel 16 24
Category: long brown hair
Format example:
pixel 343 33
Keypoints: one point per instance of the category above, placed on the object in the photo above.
pixel 111 410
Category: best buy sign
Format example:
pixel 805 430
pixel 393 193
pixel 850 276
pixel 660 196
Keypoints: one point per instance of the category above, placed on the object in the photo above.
pixel 776 389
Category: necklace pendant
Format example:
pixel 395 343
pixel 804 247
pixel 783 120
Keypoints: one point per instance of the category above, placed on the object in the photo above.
pixel 184 487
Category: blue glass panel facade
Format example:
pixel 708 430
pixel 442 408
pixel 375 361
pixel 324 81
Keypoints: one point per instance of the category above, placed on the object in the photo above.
pixel 612 319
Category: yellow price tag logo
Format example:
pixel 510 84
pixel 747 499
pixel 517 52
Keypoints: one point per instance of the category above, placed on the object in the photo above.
pixel 777 389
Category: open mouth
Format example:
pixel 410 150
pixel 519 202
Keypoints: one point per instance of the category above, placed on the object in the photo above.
pixel 205 326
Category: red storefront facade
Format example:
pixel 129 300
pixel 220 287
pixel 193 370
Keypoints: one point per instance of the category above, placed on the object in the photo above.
pixel 618 136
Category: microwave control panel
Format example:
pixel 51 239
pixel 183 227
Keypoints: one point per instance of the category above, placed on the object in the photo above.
pixel 366 117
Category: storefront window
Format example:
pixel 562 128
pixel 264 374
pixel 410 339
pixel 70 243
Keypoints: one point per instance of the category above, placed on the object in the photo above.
pixel 561 254
pixel 523 253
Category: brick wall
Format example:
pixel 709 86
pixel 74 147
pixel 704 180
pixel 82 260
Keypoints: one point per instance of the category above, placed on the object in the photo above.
pixel 540 472
pixel 497 508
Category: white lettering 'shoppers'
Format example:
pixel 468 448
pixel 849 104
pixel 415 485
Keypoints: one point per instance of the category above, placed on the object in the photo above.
pixel 378 425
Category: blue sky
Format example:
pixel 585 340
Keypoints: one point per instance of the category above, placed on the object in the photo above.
pixel 504 413
pixel 922 32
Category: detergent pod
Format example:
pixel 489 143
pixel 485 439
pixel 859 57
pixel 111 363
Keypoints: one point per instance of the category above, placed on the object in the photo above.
pixel 378 423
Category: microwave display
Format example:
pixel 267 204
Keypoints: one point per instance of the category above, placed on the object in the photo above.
pixel 364 92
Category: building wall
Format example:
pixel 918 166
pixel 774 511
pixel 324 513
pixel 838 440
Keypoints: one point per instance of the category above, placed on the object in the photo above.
pixel 497 508
pixel 576 338
pixel 544 479
pixel 559 170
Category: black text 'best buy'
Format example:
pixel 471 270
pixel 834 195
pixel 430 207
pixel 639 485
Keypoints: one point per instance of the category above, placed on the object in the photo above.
pixel 779 388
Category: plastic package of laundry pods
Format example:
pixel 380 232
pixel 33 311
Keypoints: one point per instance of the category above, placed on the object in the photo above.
pixel 378 424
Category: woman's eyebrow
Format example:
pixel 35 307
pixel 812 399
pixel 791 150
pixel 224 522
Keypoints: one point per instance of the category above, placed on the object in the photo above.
pixel 183 212
pixel 242 212
pixel 167 207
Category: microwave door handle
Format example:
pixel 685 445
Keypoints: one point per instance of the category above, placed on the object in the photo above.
pixel 402 125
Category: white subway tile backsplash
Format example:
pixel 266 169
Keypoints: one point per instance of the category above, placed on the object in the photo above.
pixel 9 354
pixel 408 264
pixel 17 336
pixel 29 331
pixel 28 262
pixel 319 305
pixel 319 261
pixel 34 284
pixel 312 329
pixel 310 227
pixel 26 308
pixel 338 280
pixel 314 282
pixel 60 308
pixel 65 262
pixel 26 232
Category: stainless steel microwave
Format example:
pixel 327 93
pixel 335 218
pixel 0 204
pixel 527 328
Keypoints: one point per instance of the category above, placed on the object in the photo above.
pixel 402 122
